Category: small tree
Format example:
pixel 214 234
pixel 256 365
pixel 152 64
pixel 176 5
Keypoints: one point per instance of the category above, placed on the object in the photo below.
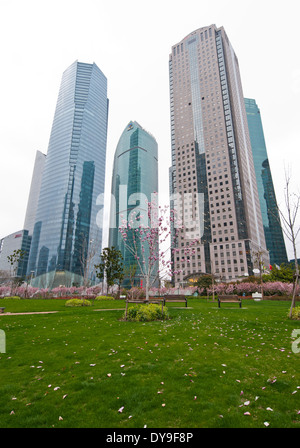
pixel 14 260
pixel 110 267
pixel 86 258
pixel 283 273
pixel 147 238
pixel 290 227
pixel 129 272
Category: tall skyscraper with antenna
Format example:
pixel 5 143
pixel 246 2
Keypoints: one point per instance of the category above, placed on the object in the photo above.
pixel 212 178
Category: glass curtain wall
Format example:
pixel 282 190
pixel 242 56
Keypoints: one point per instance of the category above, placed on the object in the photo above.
pixel 66 233
pixel 270 216
pixel 134 185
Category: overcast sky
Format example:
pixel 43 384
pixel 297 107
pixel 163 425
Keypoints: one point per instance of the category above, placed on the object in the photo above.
pixel 130 42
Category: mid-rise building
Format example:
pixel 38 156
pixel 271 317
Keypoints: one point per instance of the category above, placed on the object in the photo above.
pixel 134 186
pixel 21 240
pixel 14 242
pixel 212 178
pixel 67 232
pixel 268 204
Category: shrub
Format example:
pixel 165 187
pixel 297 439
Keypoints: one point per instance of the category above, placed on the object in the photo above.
pixel 78 302
pixel 104 298
pixel 296 313
pixel 12 297
pixel 146 313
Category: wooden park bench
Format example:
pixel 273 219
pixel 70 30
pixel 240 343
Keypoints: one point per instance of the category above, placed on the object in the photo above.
pixel 150 300
pixel 175 298
pixel 2 309
pixel 156 300
pixel 229 299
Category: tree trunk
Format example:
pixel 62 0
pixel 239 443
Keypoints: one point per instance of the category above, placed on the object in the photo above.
pixel 295 283
pixel 293 304
pixel 147 287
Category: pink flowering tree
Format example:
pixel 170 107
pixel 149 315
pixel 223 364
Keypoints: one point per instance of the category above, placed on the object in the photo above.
pixel 141 236
pixel 147 239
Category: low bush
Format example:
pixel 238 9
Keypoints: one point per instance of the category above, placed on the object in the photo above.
pixel 146 313
pixel 12 297
pixel 78 302
pixel 296 313
pixel 104 298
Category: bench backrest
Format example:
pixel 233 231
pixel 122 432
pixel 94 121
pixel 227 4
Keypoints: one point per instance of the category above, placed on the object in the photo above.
pixel 175 296
pixel 228 297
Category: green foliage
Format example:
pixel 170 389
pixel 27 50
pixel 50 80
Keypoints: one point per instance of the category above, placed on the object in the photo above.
pixel 205 282
pixel 296 313
pixel 12 297
pixel 146 313
pixel 284 273
pixel 16 256
pixel 104 298
pixel 14 259
pixel 111 266
pixel 78 302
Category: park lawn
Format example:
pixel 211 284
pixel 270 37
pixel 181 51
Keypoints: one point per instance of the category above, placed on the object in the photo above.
pixel 205 367
pixel 42 305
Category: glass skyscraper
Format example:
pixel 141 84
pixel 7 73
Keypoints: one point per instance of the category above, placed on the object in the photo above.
pixel 212 179
pixel 134 184
pixel 34 193
pixel 270 215
pixel 66 232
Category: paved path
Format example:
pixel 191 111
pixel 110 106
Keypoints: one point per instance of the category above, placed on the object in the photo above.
pixel 30 312
pixel 51 312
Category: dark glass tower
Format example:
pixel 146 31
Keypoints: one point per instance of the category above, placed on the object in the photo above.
pixel 66 229
pixel 134 184
pixel 268 204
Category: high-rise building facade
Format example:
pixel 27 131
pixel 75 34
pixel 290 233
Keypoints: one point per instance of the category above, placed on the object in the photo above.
pixel 212 178
pixel 34 192
pixel 270 215
pixel 66 230
pixel 134 185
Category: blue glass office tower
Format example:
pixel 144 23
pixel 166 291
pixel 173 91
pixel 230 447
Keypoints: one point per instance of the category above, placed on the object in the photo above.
pixel 134 184
pixel 66 230
pixel 268 204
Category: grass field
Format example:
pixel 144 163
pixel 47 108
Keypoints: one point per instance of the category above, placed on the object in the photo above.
pixel 205 367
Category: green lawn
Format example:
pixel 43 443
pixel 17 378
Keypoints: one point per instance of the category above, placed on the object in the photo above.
pixel 204 368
